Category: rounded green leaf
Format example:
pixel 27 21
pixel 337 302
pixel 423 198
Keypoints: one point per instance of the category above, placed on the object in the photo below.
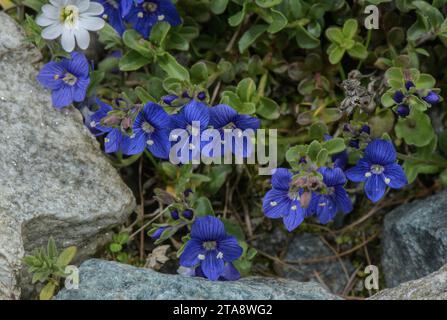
pixel 416 129
pixel 350 28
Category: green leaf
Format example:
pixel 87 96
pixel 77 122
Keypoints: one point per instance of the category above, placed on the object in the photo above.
pixel 199 73
pixel 394 74
pixel 350 28
pixel 267 3
pixel 246 89
pixel 267 108
pixel 134 41
pixel 387 99
pixel 305 39
pixel 416 129
pixel 234 229
pixel 169 169
pixel 109 37
pixel 144 96
pixel 47 292
pixel 203 207
pixel 322 157
pixel 96 78
pixel 36 5
pixel 132 61
pixel 159 33
pixel 218 177
pixel 170 65
pixel 335 145
pixel 279 21
pixel 115 247
pixel 313 149
pixel 250 36
pixel 237 18
pixel 51 248
pixel 218 6
pixel 66 256
pixel 358 51
pixel 336 54
pixel 433 15
pixel 425 81
pixel 335 34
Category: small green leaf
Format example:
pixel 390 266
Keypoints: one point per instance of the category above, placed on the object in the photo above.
pixel 267 108
pixel 115 247
pixel 170 65
pixel 335 145
pixel 250 36
pixel 350 28
pixel 335 34
pixel 66 256
pixel 218 6
pixel 246 89
pixel 144 96
pixel 134 41
pixel 159 33
pixel 305 39
pixel 336 54
pixel 203 207
pixel 267 3
pixel 47 292
pixel 416 129
pixel 132 61
pixel 279 21
pixel 358 51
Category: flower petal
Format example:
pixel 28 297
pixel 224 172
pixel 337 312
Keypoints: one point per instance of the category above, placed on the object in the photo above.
pixel 196 111
pixel 230 248
pixel 135 145
pixel 276 204
pixel 281 179
pixel 94 9
pixel 91 23
pixel 68 40
pixel 80 89
pixel 50 76
pixel 208 228
pixel 161 144
pixel 332 177
pixel 221 115
pixel 230 273
pixel 50 11
pixel 212 267
pixel 344 203
pixel 62 97
pixel 357 173
pixel 82 38
pixel 189 256
pixel 77 65
pixel 375 187
pixel 113 140
pixel 52 32
pixel 380 152
pixel 156 116
pixel 396 176
pixel 244 122
pixel 294 218
pixel 326 209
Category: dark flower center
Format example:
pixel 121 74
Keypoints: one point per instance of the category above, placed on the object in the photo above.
pixel 210 245
pixel 70 79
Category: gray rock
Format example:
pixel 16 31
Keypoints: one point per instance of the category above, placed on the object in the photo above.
pixel 273 242
pixel 431 287
pixel 54 179
pixel 105 280
pixel 415 240
pixel 308 246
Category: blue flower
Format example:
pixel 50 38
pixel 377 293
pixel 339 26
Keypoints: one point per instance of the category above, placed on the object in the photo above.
pixel 113 13
pixel 126 5
pixel 157 233
pixel 175 215
pixel 230 273
pixel 114 136
pixel 151 131
pixel 409 85
pixel 432 97
pixel 223 117
pixel 283 200
pixel 188 214
pixel 403 110
pixel 146 14
pixel 169 99
pixel 190 146
pixel 335 199
pixel 398 96
pixel 378 169
pixel 68 79
pixel 210 247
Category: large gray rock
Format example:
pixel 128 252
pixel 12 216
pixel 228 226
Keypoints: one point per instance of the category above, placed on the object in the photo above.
pixel 308 246
pixel 431 287
pixel 54 180
pixel 111 281
pixel 415 239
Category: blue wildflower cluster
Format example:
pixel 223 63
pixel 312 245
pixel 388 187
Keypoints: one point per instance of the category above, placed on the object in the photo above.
pixel 402 98
pixel 139 14
pixel 320 192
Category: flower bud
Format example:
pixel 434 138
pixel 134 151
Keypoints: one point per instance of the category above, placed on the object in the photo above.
pixel 403 110
pixel 305 199
pixel 431 97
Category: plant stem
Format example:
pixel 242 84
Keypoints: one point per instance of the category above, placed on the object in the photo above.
pixel 442 164
pixel 342 71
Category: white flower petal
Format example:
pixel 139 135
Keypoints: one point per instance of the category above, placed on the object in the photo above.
pixel 82 4
pixel 59 3
pixel 68 40
pixel 50 11
pixel 91 23
pixel 44 21
pixel 52 32
pixel 95 9
pixel 82 38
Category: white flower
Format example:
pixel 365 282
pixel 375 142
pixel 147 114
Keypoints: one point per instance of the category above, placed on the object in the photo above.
pixel 70 19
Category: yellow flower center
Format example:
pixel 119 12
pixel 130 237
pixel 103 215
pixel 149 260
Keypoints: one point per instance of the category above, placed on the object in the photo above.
pixel 70 16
